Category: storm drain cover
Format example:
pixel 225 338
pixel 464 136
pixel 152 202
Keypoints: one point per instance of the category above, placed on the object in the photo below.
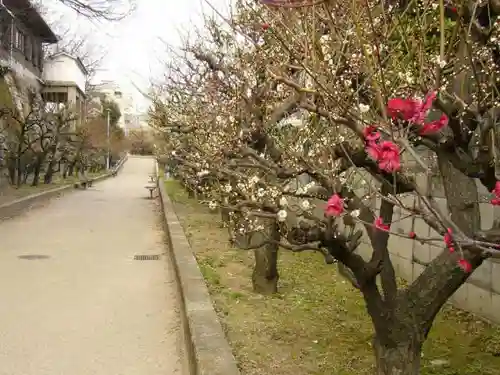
pixel 146 257
pixel 33 257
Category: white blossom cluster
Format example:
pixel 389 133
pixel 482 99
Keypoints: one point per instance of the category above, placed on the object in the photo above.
pixel 349 75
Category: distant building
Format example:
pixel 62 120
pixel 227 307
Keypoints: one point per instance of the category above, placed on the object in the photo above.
pixel 131 122
pixel 125 101
pixel 64 79
pixel 94 106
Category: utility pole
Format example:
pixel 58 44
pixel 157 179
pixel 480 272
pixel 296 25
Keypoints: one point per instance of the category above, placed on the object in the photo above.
pixel 107 141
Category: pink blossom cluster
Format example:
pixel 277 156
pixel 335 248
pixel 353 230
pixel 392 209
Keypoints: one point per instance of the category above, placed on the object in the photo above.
pixel 414 111
pixel 462 263
pixel 387 156
pixel 496 191
pixel 335 207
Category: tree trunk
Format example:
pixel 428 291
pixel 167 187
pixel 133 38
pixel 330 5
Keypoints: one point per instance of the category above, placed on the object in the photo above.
pixel 71 168
pixel 36 175
pixel 36 171
pixel 224 214
pixel 19 171
pixel 265 272
pixel 404 359
pixel 26 174
pixel 49 174
pixel 11 168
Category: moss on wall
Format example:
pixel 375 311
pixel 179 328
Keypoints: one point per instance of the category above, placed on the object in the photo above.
pixel 6 100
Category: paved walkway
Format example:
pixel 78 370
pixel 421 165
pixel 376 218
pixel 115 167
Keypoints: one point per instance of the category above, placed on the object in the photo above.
pixel 89 308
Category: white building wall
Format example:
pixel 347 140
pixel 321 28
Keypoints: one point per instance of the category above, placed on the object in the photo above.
pixel 125 101
pixel 64 68
pixel 118 100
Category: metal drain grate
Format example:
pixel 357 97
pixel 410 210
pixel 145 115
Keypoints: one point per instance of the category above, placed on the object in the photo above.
pixel 33 257
pixel 146 257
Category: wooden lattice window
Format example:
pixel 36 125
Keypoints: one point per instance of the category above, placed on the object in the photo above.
pixel 34 51
pixel 19 40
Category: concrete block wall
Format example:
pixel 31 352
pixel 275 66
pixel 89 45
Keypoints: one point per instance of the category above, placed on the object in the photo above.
pixel 479 295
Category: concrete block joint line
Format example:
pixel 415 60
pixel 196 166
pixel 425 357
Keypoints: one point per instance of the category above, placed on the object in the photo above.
pixel 208 350
pixel 19 206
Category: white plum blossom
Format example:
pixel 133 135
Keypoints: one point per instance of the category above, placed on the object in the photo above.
pixel 309 186
pixel 305 205
pixel 282 215
pixel 283 202
pixel 227 188
pixel 409 78
pixel 254 180
pixel 441 62
pixel 203 173
pixel 354 213
pixel 296 123
pixel 363 108
pixel 212 205
pixel 275 193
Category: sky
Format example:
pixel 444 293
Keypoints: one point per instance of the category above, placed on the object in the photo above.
pixel 135 47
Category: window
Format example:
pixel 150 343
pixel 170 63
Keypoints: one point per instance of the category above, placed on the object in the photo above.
pixel 19 40
pixel 4 31
pixel 28 46
pixel 39 51
pixel 35 47
pixel 55 97
pixel 33 52
pixel 5 21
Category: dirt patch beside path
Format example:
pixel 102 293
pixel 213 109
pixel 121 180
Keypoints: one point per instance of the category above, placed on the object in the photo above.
pixel 317 324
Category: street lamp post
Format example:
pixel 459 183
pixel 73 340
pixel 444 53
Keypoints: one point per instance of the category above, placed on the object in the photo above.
pixel 107 141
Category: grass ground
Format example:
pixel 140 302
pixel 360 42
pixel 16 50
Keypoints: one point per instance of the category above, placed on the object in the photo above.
pixel 10 193
pixel 317 324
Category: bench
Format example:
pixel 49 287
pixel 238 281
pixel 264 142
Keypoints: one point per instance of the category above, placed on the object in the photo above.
pixel 83 184
pixel 151 189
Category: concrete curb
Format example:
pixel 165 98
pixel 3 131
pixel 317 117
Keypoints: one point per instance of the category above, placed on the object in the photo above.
pixel 19 206
pixel 208 351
